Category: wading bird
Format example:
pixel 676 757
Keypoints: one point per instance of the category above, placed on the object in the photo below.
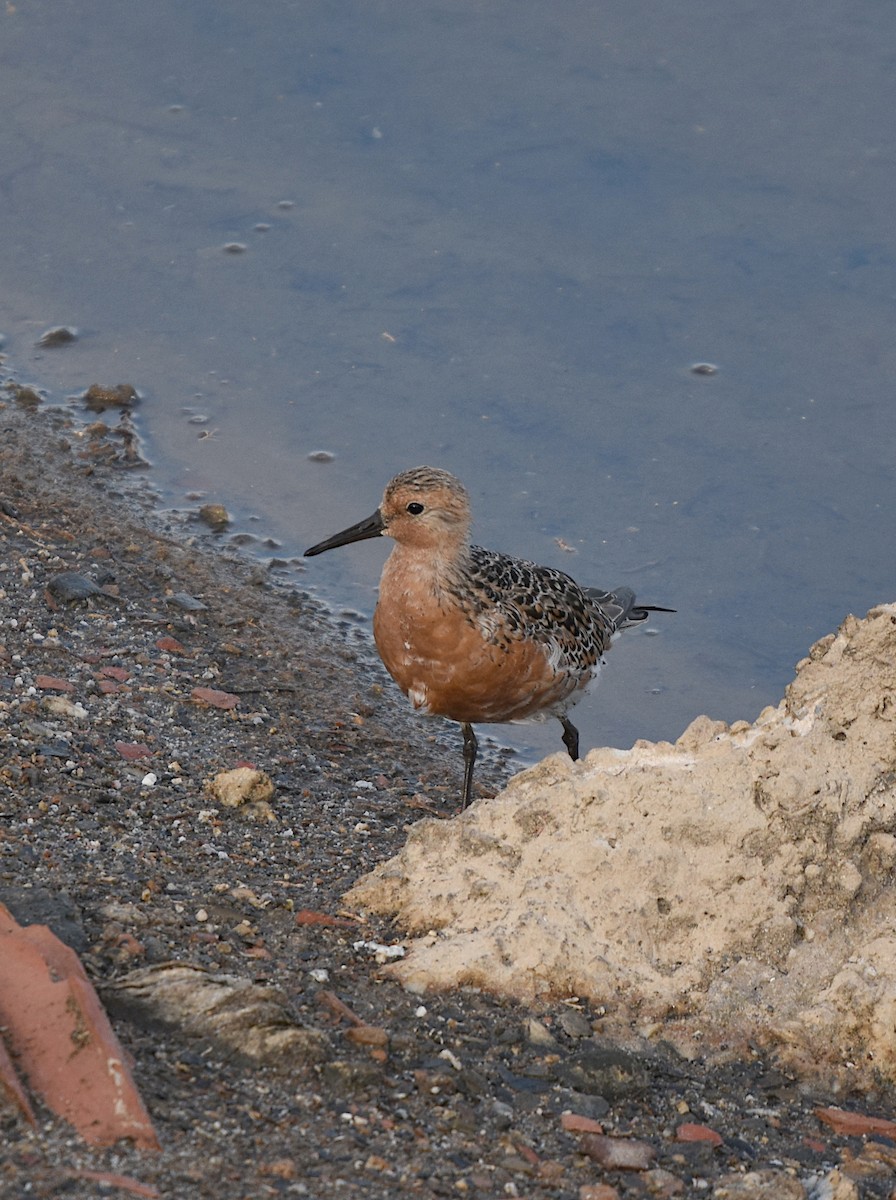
pixel 474 635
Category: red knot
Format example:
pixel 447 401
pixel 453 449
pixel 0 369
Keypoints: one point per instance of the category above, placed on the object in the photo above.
pixel 474 635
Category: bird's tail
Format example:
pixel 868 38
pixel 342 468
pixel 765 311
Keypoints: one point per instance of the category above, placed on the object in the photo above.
pixel 620 608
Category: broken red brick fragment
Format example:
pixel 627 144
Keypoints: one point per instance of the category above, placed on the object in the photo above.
pixel 60 1036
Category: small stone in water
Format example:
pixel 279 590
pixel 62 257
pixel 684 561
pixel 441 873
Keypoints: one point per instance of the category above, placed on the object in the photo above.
pixel 59 335
pixel 98 398
pixel 215 516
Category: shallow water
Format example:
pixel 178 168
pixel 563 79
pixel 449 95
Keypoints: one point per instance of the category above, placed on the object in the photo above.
pixel 495 241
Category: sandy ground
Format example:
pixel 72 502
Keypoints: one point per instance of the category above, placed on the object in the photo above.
pixel 272 1053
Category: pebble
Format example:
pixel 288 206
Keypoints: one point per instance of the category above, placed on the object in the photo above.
pixel 604 1071
pixel 28 398
pixel 855 1123
pixel 663 1184
pixel 214 697
pixel 380 952
pixel 598 1191
pixel 617 1154
pixel 133 750
pixel 503 1114
pixel 71 587
pixel 59 335
pixel 539 1034
pixel 367 1035
pixel 187 602
pixel 836 1186
pixel 98 398
pixel 689 1132
pixel 765 1185
pixel 118 673
pixel 575 1123
pixel 61 706
pixel 170 645
pixel 53 683
pixel 280 1168
pixel 243 788
pixel 215 516
pixel 574 1023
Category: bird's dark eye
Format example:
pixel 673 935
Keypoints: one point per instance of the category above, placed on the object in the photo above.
pixel 415 508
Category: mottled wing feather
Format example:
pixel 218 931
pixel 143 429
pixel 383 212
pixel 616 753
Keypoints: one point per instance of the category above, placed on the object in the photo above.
pixel 512 599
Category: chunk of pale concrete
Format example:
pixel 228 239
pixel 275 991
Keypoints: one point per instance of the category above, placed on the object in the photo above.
pixel 735 887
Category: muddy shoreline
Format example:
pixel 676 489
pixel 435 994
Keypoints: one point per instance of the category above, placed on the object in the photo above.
pixel 109 833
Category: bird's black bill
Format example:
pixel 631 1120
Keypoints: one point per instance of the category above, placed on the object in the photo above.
pixel 368 528
pixel 640 611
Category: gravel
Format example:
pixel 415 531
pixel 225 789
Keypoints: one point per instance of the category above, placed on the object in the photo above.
pixel 114 728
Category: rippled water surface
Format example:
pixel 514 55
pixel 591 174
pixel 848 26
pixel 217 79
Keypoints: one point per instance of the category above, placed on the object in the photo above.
pixel 493 238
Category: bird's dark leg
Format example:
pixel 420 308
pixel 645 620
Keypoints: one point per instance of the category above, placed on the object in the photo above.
pixel 570 738
pixel 470 746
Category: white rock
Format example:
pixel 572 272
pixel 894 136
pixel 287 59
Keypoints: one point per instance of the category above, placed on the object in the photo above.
pixel 682 878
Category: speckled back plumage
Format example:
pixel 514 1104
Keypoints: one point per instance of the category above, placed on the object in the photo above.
pixel 510 598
